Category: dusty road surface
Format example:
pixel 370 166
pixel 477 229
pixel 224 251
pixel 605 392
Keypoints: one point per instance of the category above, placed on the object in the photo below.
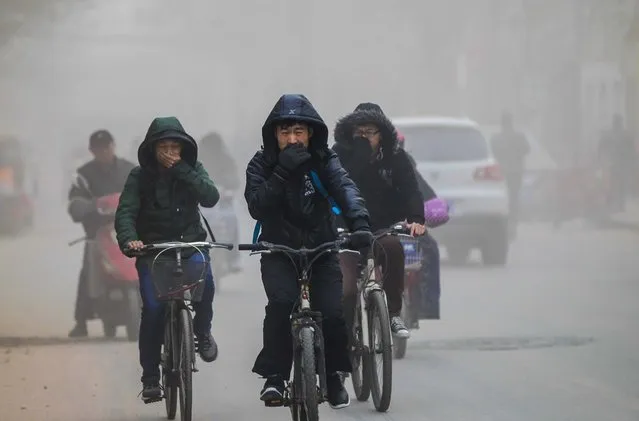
pixel 548 337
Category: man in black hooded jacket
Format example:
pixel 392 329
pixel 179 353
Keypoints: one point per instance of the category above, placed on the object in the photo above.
pixel 281 195
pixel 367 145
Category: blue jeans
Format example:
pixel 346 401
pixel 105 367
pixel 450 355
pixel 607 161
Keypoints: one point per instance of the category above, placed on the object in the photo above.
pixel 152 325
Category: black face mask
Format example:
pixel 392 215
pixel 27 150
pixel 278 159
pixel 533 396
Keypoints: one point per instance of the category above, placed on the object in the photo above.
pixel 362 146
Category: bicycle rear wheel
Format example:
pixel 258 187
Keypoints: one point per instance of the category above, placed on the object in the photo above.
pixel 360 360
pixel 186 365
pixel 170 352
pixel 381 366
pixel 310 410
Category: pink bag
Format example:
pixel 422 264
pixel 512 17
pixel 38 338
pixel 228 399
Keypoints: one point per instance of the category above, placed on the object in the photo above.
pixel 436 212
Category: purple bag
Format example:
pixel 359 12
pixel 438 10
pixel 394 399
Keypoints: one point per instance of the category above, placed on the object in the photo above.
pixel 436 212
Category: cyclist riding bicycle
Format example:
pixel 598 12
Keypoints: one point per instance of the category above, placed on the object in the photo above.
pixel 159 203
pixel 366 144
pixel 283 196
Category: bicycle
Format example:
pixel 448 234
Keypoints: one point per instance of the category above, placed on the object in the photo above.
pixel 373 340
pixel 178 284
pixel 302 395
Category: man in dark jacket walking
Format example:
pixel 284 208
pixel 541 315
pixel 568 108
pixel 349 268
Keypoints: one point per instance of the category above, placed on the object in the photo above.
pixel 511 148
pixel 366 143
pixel 103 175
pixel 159 203
pixel 281 195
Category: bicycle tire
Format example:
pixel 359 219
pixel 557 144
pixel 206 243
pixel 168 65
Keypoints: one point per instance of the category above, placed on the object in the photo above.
pixel 309 376
pixel 186 365
pixel 169 384
pixel 379 327
pixel 360 360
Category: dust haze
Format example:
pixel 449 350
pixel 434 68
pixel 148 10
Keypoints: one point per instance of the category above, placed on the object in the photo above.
pixel 563 68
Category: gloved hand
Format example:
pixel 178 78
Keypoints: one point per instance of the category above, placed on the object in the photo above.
pixel 293 156
pixel 360 240
pixel 362 147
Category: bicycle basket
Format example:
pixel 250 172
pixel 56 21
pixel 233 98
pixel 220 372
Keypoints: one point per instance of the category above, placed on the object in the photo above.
pixel 412 253
pixel 170 285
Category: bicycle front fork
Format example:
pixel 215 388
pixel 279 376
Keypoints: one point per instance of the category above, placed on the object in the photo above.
pixel 363 310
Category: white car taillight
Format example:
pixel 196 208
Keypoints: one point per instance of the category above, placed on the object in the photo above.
pixel 488 173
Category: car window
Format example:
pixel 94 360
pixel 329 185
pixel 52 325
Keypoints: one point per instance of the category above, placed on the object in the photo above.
pixel 441 144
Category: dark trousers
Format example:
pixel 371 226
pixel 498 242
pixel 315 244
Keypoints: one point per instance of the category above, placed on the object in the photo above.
pixel 430 283
pixel 152 324
pixel 389 254
pixel 279 277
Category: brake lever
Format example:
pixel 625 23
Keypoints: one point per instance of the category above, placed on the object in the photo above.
pixel 253 253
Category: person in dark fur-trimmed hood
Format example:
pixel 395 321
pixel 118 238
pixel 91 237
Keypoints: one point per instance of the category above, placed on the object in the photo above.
pixel 367 146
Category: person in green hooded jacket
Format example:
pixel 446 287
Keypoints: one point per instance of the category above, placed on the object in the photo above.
pixel 159 203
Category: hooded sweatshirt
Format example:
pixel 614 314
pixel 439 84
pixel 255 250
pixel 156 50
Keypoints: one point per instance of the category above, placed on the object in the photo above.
pixel 387 181
pixel 161 204
pixel 292 211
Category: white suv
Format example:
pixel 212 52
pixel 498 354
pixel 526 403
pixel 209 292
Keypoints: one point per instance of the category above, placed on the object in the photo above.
pixel 457 161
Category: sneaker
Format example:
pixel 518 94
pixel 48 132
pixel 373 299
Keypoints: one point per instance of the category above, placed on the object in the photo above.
pixel 79 331
pixel 272 393
pixel 399 328
pixel 207 347
pixel 151 390
pixel 337 395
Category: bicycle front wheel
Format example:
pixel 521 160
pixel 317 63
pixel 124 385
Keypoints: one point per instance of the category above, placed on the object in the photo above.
pixel 170 355
pixel 381 362
pixel 187 354
pixel 360 360
pixel 309 377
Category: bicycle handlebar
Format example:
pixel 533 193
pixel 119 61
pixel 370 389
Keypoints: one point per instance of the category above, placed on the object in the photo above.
pixel 264 246
pixel 400 228
pixel 176 245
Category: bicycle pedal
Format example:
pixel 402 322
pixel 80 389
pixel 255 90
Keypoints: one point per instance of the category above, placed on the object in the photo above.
pixel 152 400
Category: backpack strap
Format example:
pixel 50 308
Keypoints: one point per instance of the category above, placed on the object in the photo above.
pixel 208 227
pixel 320 188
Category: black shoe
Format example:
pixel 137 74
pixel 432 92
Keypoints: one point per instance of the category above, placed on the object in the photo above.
pixel 337 395
pixel 272 393
pixel 79 331
pixel 151 390
pixel 207 347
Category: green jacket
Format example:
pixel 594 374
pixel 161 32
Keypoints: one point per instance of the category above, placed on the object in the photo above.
pixel 159 204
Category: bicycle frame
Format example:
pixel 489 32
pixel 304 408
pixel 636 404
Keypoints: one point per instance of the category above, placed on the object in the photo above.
pixel 366 285
pixel 303 317
pixel 368 282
